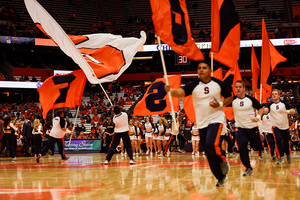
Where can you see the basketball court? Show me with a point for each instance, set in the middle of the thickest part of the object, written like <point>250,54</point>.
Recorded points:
<point>179,176</point>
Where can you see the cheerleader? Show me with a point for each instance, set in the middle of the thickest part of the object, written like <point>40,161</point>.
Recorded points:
<point>167,137</point>
<point>132,134</point>
<point>37,136</point>
<point>138,136</point>
<point>155,137</point>
<point>161,132</point>
<point>8,137</point>
<point>149,135</point>
<point>195,139</point>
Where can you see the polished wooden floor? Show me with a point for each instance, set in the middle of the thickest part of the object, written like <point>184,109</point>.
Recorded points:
<point>180,176</point>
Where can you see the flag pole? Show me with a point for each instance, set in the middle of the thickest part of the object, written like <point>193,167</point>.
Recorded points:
<point>101,85</point>
<point>74,124</point>
<point>167,82</point>
<point>260,99</point>
<point>212,63</point>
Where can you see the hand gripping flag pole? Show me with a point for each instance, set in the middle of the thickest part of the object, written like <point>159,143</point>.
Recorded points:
<point>167,82</point>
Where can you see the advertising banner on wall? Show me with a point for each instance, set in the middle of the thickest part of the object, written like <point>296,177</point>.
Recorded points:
<point>82,145</point>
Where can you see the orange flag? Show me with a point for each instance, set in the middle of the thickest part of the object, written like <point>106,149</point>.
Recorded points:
<point>189,109</point>
<point>225,32</point>
<point>62,91</point>
<point>171,23</point>
<point>255,74</point>
<point>276,57</point>
<point>232,76</point>
<point>156,100</point>
<point>269,59</point>
<point>218,73</point>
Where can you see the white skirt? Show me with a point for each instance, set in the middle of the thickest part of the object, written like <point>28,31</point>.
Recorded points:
<point>161,137</point>
<point>132,137</point>
<point>195,137</point>
<point>166,137</point>
<point>148,134</point>
<point>139,138</point>
<point>155,137</point>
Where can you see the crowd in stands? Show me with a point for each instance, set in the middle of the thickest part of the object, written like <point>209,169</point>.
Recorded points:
<point>104,27</point>
<point>97,114</point>
<point>16,26</point>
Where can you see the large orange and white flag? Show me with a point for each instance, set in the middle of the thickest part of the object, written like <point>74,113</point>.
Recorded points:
<point>102,57</point>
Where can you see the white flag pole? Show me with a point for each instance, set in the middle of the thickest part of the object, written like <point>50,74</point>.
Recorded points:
<point>100,85</point>
<point>167,82</point>
<point>212,63</point>
<point>74,124</point>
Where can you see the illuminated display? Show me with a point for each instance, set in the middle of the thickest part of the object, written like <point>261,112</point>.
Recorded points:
<point>181,60</point>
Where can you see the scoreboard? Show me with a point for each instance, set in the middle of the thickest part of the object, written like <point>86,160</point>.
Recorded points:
<point>181,60</point>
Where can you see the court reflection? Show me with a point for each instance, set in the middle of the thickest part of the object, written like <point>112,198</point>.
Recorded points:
<point>180,176</point>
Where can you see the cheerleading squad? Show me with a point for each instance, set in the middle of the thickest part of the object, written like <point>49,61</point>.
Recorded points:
<point>153,138</point>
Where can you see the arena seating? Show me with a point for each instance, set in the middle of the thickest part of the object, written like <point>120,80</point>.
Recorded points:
<point>86,12</point>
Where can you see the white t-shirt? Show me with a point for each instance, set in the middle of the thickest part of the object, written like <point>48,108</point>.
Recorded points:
<point>279,120</point>
<point>195,129</point>
<point>148,126</point>
<point>132,130</point>
<point>244,111</point>
<point>202,93</point>
<point>161,129</point>
<point>57,124</point>
<point>266,124</point>
<point>121,122</point>
<point>169,130</point>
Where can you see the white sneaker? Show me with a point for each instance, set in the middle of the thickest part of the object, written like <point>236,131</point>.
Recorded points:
<point>168,153</point>
<point>193,153</point>
<point>105,162</point>
<point>147,152</point>
<point>133,154</point>
<point>132,162</point>
<point>14,159</point>
<point>122,154</point>
<point>151,154</point>
<point>161,154</point>
<point>197,154</point>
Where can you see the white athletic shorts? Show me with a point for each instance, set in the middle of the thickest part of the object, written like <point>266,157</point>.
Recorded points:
<point>195,137</point>
<point>132,137</point>
<point>148,134</point>
<point>139,138</point>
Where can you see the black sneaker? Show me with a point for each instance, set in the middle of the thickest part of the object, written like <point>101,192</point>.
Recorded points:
<point>222,182</point>
<point>274,158</point>
<point>280,161</point>
<point>260,157</point>
<point>288,158</point>
<point>65,158</point>
<point>248,172</point>
<point>225,167</point>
